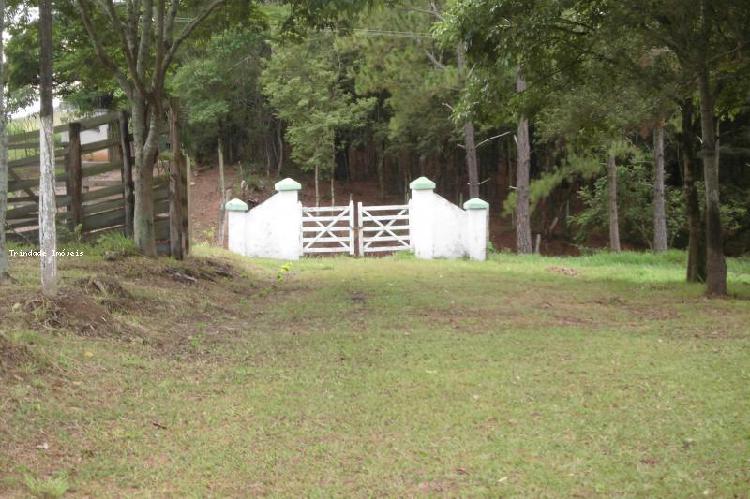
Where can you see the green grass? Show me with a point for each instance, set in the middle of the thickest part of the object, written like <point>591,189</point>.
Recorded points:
<point>521,376</point>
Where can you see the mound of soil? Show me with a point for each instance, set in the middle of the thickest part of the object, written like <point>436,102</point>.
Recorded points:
<point>72,311</point>
<point>108,291</point>
<point>192,270</point>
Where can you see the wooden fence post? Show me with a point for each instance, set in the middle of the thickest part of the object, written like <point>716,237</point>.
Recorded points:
<point>74,183</point>
<point>176,187</point>
<point>127,173</point>
<point>185,202</point>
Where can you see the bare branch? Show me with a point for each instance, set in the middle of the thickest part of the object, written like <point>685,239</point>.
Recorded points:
<point>84,8</point>
<point>145,42</point>
<point>491,138</point>
<point>434,60</point>
<point>159,37</point>
<point>432,11</point>
<point>169,29</point>
<point>133,7</point>
<point>127,45</point>
<point>184,34</point>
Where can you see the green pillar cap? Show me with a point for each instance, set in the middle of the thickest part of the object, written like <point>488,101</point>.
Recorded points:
<point>235,205</point>
<point>476,204</point>
<point>288,185</point>
<point>422,184</point>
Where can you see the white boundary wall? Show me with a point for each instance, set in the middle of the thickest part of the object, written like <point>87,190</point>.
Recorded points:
<point>438,228</point>
<point>273,229</point>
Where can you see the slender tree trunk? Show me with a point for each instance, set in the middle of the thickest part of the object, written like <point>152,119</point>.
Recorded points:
<point>716,266</point>
<point>317,185</point>
<point>47,206</point>
<point>472,166</point>
<point>4,267</point>
<point>381,170</point>
<point>523,213</point>
<point>614,221</point>
<point>696,265</point>
<point>471,159</point>
<point>268,148</point>
<point>222,194</point>
<point>280,141</point>
<point>333,171</point>
<point>660,212</point>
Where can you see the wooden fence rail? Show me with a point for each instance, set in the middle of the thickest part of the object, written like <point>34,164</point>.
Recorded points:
<point>92,198</point>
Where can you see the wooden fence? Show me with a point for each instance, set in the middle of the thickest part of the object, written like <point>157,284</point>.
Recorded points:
<point>93,194</point>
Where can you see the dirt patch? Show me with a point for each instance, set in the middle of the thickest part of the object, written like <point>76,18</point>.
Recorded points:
<point>71,311</point>
<point>12,356</point>
<point>108,291</point>
<point>196,269</point>
<point>562,270</point>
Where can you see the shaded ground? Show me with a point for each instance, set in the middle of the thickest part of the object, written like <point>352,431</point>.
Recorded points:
<point>223,376</point>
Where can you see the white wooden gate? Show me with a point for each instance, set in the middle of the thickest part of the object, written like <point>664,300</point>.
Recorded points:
<point>328,229</point>
<point>383,228</point>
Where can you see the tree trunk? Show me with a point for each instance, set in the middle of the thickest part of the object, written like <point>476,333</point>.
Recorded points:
<point>716,266</point>
<point>222,193</point>
<point>4,267</point>
<point>268,148</point>
<point>280,140</point>
<point>472,166</point>
<point>614,221</point>
<point>333,171</point>
<point>47,206</point>
<point>317,185</point>
<point>145,143</point>
<point>471,159</point>
<point>660,212</point>
<point>696,265</point>
<point>381,170</point>
<point>523,214</point>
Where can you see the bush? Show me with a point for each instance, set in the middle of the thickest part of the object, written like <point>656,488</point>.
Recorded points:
<point>115,243</point>
<point>635,205</point>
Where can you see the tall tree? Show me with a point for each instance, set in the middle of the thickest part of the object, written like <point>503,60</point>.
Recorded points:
<point>3,152</point>
<point>304,82</point>
<point>147,43</point>
<point>696,266</point>
<point>472,166</point>
<point>660,211</point>
<point>47,206</point>
<point>612,209</point>
<point>523,212</point>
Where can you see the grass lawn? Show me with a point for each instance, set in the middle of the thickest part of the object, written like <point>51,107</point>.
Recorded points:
<point>554,377</point>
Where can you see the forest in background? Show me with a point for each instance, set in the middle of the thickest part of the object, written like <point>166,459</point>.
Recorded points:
<point>591,121</point>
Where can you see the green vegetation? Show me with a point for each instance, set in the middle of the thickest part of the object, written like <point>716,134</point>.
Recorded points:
<point>527,376</point>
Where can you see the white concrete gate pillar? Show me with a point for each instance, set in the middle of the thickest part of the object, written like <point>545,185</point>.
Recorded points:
<point>421,217</point>
<point>236,210</point>
<point>273,229</point>
<point>477,228</point>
